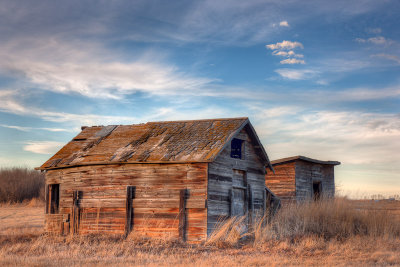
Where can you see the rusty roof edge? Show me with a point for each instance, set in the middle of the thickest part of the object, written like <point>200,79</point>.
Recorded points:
<point>264,153</point>
<point>217,119</point>
<point>120,163</point>
<point>294,158</point>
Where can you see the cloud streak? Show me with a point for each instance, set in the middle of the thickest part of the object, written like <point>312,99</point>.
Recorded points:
<point>92,71</point>
<point>294,74</point>
<point>43,147</point>
<point>378,40</point>
<point>29,129</point>
<point>285,45</point>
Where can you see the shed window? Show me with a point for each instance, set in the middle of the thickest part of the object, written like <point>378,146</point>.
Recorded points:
<point>237,148</point>
<point>53,198</point>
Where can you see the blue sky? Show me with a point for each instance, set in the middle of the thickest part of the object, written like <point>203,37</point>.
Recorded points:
<point>316,78</point>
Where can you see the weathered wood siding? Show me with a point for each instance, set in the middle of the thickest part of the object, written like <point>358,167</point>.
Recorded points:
<point>307,173</point>
<point>103,199</point>
<point>224,172</point>
<point>283,182</point>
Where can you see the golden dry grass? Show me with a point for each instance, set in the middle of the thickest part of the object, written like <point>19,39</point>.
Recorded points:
<point>227,247</point>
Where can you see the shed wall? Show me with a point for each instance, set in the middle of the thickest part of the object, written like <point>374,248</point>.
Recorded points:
<point>283,182</point>
<point>156,203</point>
<point>221,173</point>
<point>307,173</point>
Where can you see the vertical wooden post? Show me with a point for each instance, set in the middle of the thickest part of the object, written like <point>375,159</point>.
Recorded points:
<point>76,212</point>
<point>231,202</point>
<point>264,203</point>
<point>183,195</point>
<point>46,197</point>
<point>250,204</point>
<point>130,195</point>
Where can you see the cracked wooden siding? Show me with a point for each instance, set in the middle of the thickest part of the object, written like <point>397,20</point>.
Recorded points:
<point>221,173</point>
<point>156,202</point>
<point>307,173</point>
<point>294,177</point>
<point>283,182</point>
<point>157,160</point>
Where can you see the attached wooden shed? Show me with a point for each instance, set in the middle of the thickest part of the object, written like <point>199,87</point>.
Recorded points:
<point>165,179</point>
<point>300,178</point>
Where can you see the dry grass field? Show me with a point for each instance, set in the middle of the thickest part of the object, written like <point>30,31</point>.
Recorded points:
<point>315,235</point>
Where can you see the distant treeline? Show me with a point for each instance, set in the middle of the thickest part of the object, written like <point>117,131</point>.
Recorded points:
<point>18,184</point>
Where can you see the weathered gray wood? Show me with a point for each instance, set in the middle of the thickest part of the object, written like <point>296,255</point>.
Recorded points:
<point>156,203</point>
<point>307,173</point>
<point>76,212</point>
<point>130,195</point>
<point>250,204</point>
<point>264,202</point>
<point>46,196</point>
<point>227,176</point>
<point>183,195</point>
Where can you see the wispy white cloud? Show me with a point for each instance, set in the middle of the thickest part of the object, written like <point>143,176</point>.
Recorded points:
<point>287,54</point>
<point>43,147</point>
<point>374,30</point>
<point>11,102</point>
<point>294,74</point>
<point>344,136</point>
<point>292,61</point>
<point>285,45</point>
<point>28,129</point>
<point>284,23</point>
<point>388,56</point>
<point>378,40</point>
<point>92,71</point>
<point>292,57</point>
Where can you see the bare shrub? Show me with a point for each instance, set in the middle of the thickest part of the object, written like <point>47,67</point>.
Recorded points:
<point>18,184</point>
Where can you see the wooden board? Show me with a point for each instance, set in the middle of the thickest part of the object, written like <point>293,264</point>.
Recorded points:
<point>103,201</point>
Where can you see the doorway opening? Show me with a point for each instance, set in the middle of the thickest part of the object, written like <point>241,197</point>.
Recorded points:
<point>317,190</point>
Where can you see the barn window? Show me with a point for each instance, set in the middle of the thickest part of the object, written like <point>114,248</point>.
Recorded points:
<point>237,148</point>
<point>53,198</point>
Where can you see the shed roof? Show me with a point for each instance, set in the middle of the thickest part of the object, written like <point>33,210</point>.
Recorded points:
<point>152,142</point>
<point>291,159</point>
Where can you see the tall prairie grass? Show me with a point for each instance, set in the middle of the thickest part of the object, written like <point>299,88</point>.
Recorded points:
<point>329,219</point>
<point>341,235</point>
<point>18,184</point>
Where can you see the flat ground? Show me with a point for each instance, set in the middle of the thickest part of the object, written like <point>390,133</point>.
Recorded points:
<point>23,243</point>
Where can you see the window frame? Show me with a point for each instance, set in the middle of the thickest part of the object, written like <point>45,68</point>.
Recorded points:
<point>235,146</point>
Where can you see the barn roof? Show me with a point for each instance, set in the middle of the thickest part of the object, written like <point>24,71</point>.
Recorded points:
<point>152,142</point>
<point>291,159</point>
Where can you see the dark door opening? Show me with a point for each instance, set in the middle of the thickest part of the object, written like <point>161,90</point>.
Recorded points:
<point>317,190</point>
<point>53,198</point>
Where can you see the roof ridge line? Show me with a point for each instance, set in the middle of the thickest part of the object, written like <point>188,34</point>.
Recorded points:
<point>217,119</point>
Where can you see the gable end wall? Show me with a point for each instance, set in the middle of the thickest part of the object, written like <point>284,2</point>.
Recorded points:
<point>220,175</point>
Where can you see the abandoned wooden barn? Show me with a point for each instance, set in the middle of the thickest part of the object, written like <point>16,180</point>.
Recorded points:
<point>300,178</point>
<point>176,178</point>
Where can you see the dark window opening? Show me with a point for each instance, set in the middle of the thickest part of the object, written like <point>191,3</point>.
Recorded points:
<point>53,198</point>
<point>316,190</point>
<point>237,148</point>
